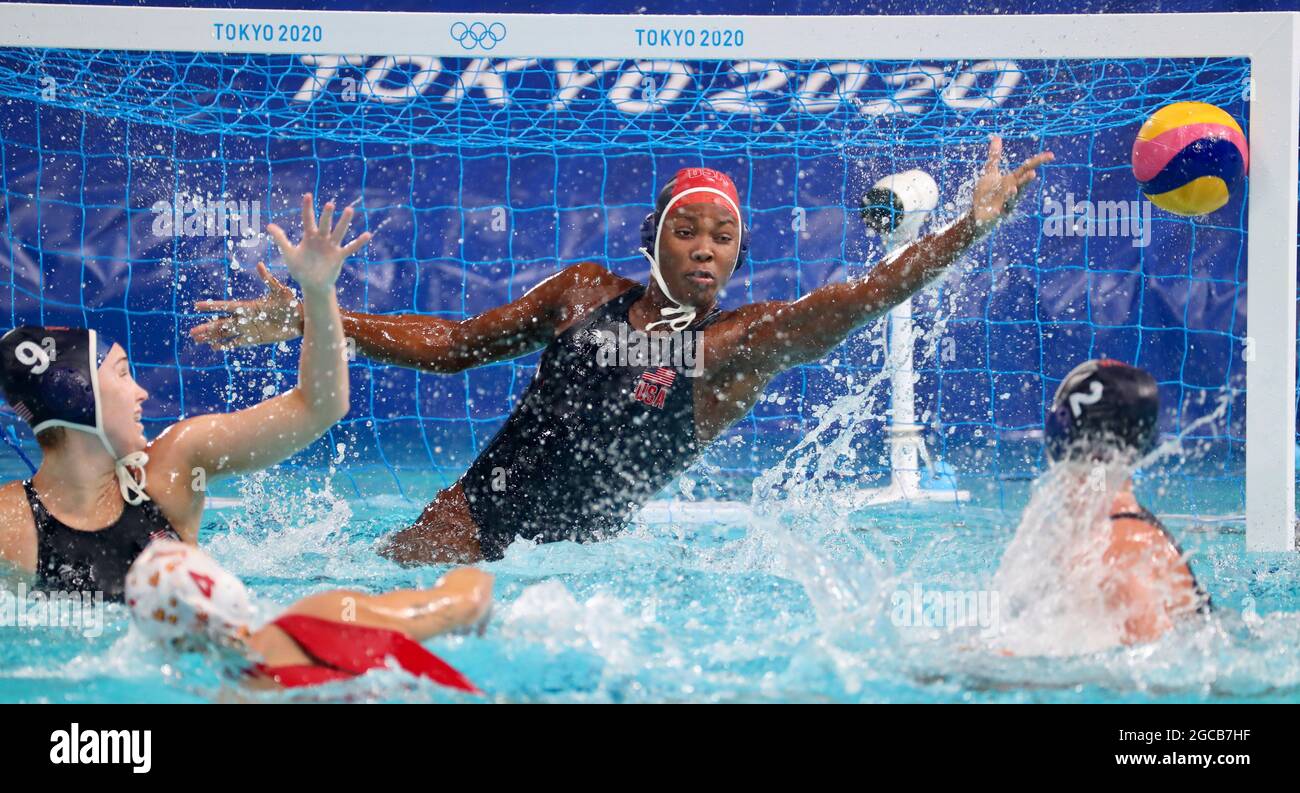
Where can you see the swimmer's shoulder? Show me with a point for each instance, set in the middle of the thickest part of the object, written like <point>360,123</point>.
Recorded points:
<point>17,530</point>
<point>729,336</point>
<point>1132,524</point>
<point>589,272</point>
<point>737,324</point>
<point>590,278</point>
<point>581,288</point>
<point>1133,531</point>
<point>1143,550</point>
<point>1137,536</point>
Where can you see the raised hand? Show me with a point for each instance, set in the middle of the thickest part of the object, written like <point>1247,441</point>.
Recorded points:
<point>274,317</point>
<point>996,193</point>
<point>315,262</point>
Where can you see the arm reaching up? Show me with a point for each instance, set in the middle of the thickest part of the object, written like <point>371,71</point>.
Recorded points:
<point>779,335</point>
<point>265,434</point>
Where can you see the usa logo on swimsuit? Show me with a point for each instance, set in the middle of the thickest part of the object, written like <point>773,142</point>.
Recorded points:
<point>652,386</point>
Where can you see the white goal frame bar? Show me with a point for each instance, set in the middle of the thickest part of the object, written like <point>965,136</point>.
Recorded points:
<point>1270,40</point>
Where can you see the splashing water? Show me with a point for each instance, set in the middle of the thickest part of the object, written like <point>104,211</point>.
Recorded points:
<point>801,601</point>
<point>1052,577</point>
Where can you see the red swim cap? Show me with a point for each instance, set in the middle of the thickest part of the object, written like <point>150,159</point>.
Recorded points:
<point>688,186</point>
<point>691,178</point>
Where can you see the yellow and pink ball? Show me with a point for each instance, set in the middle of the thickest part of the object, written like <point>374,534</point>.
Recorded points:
<point>1189,157</point>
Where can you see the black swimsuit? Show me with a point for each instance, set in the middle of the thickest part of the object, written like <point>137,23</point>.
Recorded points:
<point>1203,605</point>
<point>71,560</point>
<point>587,444</point>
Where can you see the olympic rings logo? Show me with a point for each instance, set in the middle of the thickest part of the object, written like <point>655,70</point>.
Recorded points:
<point>478,34</point>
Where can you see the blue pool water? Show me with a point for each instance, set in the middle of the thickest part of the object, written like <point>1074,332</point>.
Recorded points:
<point>777,605</point>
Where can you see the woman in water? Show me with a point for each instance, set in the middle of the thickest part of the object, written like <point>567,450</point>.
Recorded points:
<point>178,595</point>
<point>1087,550</point>
<point>103,492</point>
<point>601,429</point>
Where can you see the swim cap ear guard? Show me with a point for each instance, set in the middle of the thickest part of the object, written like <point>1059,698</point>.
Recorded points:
<point>177,592</point>
<point>50,377</point>
<point>688,186</point>
<point>1103,408</point>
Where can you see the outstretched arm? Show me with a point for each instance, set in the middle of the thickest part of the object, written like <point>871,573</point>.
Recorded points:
<point>460,600</point>
<point>444,346</point>
<point>777,336</point>
<point>417,341</point>
<point>265,434</point>
<point>404,340</point>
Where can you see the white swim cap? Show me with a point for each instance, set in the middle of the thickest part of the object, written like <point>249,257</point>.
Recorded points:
<point>175,591</point>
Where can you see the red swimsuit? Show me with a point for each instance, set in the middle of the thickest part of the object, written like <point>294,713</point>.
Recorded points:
<point>343,651</point>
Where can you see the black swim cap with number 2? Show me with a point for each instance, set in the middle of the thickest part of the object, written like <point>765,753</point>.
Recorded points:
<point>1103,407</point>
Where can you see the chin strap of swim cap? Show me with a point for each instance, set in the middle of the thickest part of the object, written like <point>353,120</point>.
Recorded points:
<point>679,316</point>
<point>132,488</point>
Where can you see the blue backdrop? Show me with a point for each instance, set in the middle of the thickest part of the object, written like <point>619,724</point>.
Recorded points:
<point>474,203</point>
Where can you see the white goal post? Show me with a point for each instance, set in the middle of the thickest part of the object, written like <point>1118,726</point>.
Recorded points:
<point>1271,41</point>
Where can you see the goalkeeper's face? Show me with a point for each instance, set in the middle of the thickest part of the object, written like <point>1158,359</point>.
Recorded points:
<point>698,247</point>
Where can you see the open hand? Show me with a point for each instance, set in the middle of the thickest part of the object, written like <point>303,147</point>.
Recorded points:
<point>996,193</point>
<point>315,262</point>
<point>274,317</point>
